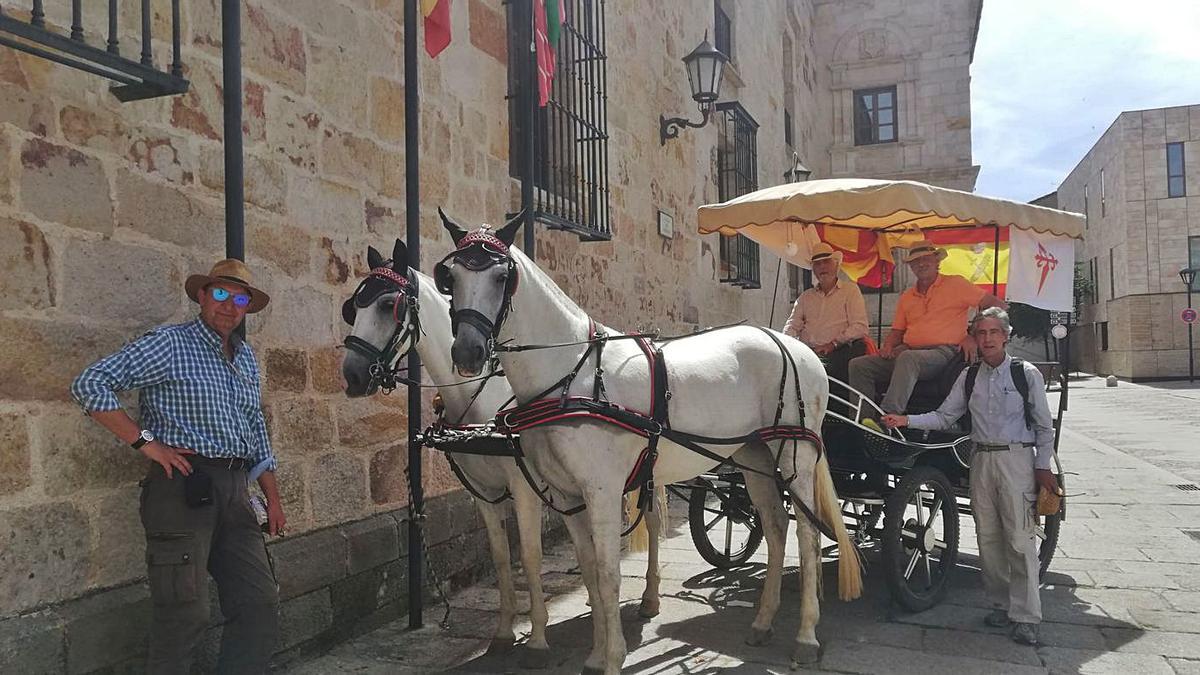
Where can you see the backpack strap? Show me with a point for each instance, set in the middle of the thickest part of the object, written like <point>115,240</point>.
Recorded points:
<point>969,382</point>
<point>1017,371</point>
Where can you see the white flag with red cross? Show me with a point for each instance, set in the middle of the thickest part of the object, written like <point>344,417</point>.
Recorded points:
<point>1041,270</point>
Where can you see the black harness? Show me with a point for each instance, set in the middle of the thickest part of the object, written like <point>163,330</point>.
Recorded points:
<point>406,314</point>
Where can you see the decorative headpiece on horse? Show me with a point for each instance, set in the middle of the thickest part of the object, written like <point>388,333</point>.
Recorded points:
<point>478,250</point>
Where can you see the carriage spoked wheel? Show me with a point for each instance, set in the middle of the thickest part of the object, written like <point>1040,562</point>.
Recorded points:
<point>724,524</point>
<point>920,538</point>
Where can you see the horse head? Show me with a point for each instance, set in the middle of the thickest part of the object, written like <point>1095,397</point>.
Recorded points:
<point>480,276</point>
<point>384,315</point>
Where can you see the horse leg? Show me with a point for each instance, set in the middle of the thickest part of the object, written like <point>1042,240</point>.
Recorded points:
<point>579,529</point>
<point>801,489</point>
<point>654,520</point>
<point>529,522</point>
<point>493,520</point>
<point>764,493</point>
<point>604,506</point>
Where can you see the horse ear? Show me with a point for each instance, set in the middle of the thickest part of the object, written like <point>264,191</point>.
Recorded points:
<point>374,258</point>
<point>399,256</point>
<point>508,233</point>
<point>457,232</point>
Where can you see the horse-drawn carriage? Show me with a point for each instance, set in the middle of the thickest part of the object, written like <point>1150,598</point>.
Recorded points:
<point>902,491</point>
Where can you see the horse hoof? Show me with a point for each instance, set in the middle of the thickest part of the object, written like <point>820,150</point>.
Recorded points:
<point>806,654</point>
<point>500,646</point>
<point>648,610</point>
<point>534,659</point>
<point>758,637</point>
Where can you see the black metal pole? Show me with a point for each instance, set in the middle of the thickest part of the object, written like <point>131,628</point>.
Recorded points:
<point>879,318</point>
<point>775,294</point>
<point>412,220</point>
<point>231,80</point>
<point>529,106</point>
<point>1191,360</point>
<point>996,265</point>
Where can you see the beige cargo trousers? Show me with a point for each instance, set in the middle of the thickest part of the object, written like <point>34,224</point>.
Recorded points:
<point>1003,498</point>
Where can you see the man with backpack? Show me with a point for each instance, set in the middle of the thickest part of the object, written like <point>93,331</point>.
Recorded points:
<point>1014,448</point>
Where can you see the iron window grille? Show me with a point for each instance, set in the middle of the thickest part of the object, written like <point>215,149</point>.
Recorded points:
<point>737,174</point>
<point>875,116</point>
<point>136,80</point>
<point>570,133</point>
<point>1176,185</point>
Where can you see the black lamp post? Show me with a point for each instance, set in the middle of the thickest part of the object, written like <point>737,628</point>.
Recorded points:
<point>1188,276</point>
<point>705,66</point>
<point>798,173</point>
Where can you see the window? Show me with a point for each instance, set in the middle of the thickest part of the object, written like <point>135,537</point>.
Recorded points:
<point>570,133</point>
<point>789,92</point>
<point>722,30</point>
<point>1103,209</point>
<point>1085,206</point>
<point>875,116</point>
<point>1102,329</point>
<point>1112,276</point>
<point>1175,171</point>
<point>1092,276</point>
<point>1194,258</point>
<point>788,139</point>
<point>737,174</point>
<point>794,288</point>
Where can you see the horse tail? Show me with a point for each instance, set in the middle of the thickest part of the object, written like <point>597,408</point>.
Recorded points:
<point>830,511</point>
<point>639,538</point>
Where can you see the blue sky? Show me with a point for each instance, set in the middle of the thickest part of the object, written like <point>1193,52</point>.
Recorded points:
<point>1050,76</point>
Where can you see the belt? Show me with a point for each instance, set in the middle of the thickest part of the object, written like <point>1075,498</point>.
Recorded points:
<point>993,447</point>
<point>231,463</point>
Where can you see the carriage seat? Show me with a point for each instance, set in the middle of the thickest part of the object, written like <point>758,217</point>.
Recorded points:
<point>929,393</point>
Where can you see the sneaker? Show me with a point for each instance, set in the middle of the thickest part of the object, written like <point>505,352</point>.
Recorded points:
<point>1025,633</point>
<point>872,424</point>
<point>997,619</point>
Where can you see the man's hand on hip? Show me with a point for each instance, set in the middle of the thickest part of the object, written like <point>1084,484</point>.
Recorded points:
<point>168,458</point>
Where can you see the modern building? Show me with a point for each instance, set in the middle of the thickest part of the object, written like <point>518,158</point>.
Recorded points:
<point>105,207</point>
<point>1139,188</point>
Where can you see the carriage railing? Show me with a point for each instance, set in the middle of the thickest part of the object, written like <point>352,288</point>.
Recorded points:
<point>136,80</point>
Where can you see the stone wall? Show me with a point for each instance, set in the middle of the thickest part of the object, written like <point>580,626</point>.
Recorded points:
<point>105,208</point>
<point>1139,240</point>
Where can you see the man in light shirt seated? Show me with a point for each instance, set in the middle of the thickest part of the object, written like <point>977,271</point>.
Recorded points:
<point>832,317</point>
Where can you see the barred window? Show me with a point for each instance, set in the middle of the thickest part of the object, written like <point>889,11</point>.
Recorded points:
<point>570,133</point>
<point>737,174</point>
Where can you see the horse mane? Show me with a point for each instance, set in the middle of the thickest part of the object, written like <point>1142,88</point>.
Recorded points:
<point>531,269</point>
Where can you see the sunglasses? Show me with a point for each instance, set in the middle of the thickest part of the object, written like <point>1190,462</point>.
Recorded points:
<point>221,295</point>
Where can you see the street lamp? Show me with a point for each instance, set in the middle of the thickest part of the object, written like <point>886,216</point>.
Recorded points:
<point>798,173</point>
<point>1188,276</point>
<point>705,65</point>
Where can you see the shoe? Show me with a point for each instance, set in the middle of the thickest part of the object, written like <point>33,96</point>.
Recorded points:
<point>1025,634</point>
<point>870,423</point>
<point>998,618</point>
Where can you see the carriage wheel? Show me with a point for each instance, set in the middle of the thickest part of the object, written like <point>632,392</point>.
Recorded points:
<point>920,538</point>
<point>1047,532</point>
<point>724,524</point>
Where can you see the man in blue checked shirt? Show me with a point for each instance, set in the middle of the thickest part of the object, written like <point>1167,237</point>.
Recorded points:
<point>1014,449</point>
<point>202,424</point>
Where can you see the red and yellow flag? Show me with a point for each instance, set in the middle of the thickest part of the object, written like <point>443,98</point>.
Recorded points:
<point>866,255</point>
<point>437,25</point>
<point>972,254</point>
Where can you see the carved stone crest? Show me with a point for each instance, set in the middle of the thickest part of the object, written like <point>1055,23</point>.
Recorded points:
<point>872,43</point>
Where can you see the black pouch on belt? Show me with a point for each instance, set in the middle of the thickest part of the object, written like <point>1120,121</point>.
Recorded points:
<point>197,488</point>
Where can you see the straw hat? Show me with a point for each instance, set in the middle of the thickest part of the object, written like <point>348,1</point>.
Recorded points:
<point>232,270</point>
<point>923,248</point>
<point>822,251</point>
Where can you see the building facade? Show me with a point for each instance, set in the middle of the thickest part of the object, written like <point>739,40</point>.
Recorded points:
<point>106,207</point>
<point>1139,188</point>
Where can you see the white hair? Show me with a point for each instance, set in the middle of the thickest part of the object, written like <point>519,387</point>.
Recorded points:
<point>993,313</point>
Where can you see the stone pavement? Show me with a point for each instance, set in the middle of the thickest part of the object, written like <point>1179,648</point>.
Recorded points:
<point>1122,595</point>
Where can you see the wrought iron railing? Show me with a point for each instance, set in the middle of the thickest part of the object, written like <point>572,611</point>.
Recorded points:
<point>136,79</point>
<point>737,174</point>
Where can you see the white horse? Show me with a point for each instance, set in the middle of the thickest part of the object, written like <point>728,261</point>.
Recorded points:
<point>722,384</point>
<point>389,316</point>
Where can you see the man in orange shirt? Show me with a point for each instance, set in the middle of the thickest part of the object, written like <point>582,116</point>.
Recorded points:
<point>929,328</point>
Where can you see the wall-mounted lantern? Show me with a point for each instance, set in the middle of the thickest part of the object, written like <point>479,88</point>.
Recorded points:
<point>798,173</point>
<point>705,65</point>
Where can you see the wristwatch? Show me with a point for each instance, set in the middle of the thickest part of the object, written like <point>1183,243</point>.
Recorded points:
<point>143,438</point>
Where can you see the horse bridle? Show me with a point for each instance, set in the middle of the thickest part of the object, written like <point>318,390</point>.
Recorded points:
<point>477,251</point>
<point>407,325</point>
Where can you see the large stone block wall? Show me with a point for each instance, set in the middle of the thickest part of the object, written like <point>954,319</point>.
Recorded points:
<point>105,208</point>
<point>1139,294</point>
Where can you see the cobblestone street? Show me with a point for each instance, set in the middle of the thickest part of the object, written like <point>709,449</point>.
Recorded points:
<point>1122,595</point>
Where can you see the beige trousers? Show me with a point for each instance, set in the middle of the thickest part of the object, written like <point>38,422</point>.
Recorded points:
<point>1003,498</point>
